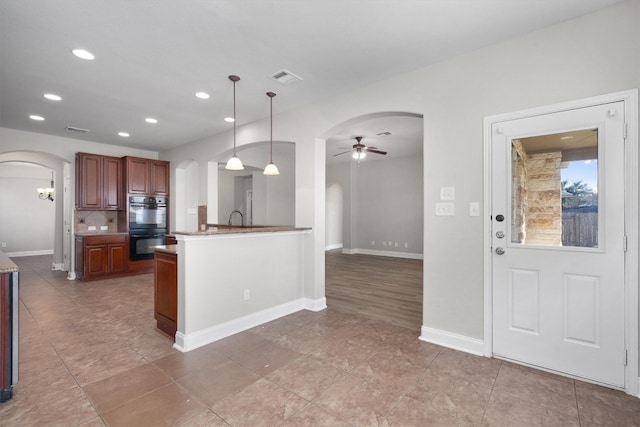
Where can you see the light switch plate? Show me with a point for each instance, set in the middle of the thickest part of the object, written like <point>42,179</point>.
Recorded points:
<point>104,227</point>
<point>447,193</point>
<point>444,209</point>
<point>92,228</point>
<point>474,209</point>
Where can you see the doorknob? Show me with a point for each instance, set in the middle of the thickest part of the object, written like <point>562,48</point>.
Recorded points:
<point>499,251</point>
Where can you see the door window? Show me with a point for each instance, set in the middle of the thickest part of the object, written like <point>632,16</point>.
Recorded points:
<point>554,187</point>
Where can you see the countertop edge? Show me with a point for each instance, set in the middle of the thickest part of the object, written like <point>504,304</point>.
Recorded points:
<point>238,230</point>
<point>6,265</point>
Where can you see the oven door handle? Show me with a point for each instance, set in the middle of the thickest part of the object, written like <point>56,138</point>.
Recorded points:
<point>147,235</point>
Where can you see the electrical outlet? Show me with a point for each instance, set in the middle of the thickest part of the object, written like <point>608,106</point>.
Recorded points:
<point>395,244</point>
<point>4,244</point>
<point>384,243</point>
<point>406,245</point>
<point>247,294</point>
<point>104,227</point>
<point>92,228</point>
<point>373,243</point>
<point>389,242</point>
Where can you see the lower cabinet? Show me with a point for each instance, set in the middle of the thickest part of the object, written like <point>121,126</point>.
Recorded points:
<point>166,292</point>
<point>99,257</point>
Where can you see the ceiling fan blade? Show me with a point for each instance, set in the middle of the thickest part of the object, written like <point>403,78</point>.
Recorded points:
<point>344,152</point>
<point>376,151</point>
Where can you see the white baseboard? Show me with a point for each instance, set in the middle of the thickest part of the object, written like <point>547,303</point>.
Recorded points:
<point>451,340</point>
<point>315,304</point>
<point>393,254</point>
<point>206,336</point>
<point>331,247</point>
<point>29,253</point>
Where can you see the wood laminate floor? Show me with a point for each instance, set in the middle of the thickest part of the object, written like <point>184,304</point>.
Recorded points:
<point>377,287</point>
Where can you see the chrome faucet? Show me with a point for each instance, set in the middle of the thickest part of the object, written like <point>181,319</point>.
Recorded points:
<point>241,217</point>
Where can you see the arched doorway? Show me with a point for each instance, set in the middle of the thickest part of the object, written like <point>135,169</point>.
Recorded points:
<point>63,209</point>
<point>382,217</point>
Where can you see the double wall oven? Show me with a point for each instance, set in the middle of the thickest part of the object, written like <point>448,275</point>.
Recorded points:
<point>147,225</point>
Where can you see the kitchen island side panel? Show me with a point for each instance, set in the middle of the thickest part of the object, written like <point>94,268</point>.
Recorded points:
<point>226,279</point>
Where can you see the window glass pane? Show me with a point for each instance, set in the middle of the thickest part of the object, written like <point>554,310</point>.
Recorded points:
<point>554,200</point>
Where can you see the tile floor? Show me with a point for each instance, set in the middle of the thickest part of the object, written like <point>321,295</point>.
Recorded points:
<point>90,356</point>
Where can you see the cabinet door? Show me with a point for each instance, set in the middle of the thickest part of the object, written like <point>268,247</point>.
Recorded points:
<point>89,181</point>
<point>96,260</point>
<point>166,292</point>
<point>112,179</point>
<point>138,175</point>
<point>117,258</point>
<point>159,171</point>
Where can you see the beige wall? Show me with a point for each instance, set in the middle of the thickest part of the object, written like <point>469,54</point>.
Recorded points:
<point>588,56</point>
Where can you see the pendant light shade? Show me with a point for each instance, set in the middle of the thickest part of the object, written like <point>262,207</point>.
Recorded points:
<point>234,163</point>
<point>271,168</point>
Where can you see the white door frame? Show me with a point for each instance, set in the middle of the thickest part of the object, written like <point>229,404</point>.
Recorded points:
<point>630,99</point>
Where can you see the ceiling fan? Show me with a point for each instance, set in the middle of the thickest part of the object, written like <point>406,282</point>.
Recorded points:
<point>360,151</point>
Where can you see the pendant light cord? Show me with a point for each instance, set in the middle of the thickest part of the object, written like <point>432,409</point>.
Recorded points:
<point>234,117</point>
<point>271,135</point>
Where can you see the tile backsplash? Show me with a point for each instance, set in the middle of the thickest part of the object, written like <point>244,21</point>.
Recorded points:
<point>85,219</point>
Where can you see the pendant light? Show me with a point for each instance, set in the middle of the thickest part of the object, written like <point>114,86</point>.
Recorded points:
<point>234,162</point>
<point>271,168</point>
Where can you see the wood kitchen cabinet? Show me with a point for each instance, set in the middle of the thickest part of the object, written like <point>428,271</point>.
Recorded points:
<point>98,257</point>
<point>147,176</point>
<point>166,292</point>
<point>99,182</point>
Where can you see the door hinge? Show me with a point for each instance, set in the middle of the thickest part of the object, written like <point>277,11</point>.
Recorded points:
<point>626,357</point>
<point>625,130</point>
<point>624,244</point>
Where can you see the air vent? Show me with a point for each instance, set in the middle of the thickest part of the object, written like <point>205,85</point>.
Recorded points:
<point>285,77</point>
<point>75,129</point>
<point>383,133</point>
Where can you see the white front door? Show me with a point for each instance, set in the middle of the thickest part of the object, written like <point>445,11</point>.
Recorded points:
<point>558,247</point>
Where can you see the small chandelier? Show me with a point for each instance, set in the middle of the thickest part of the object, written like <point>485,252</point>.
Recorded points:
<point>271,168</point>
<point>234,163</point>
<point>46,193</point>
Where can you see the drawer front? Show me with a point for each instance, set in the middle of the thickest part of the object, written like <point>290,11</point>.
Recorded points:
<point>105,240</point>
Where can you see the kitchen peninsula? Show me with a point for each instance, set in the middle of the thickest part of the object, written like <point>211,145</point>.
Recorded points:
<point>230,279</point>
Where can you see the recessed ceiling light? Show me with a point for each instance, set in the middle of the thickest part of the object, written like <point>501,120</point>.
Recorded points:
<point>37,118</point>
<point>150,120</point>
<point>566,137</point>
<point>84,54</point>
<point>52,97</point>
<point>124,134</point>
<point>202,95</point>
<point>229,119</point>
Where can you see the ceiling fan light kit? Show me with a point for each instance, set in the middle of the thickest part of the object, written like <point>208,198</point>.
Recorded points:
<point>359,150</point>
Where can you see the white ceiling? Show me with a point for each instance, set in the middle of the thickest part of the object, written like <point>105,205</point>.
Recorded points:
<point>153,55</point>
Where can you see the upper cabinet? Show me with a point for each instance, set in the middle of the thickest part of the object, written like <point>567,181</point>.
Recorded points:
<point>99,182</point>
<point>147,176</point>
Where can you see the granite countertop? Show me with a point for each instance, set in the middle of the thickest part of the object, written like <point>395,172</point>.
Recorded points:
<point>100,233</point>
<point>167,249</point>
<point>6,265</point>
<point>240,230</point>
